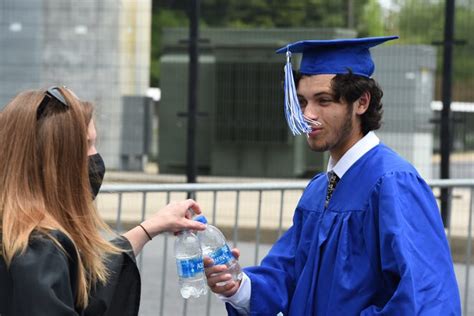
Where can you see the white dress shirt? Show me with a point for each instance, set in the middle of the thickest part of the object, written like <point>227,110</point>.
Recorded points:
<point>241,299</point>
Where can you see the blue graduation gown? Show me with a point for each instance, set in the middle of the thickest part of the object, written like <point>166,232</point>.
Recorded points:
<point>378,249</point>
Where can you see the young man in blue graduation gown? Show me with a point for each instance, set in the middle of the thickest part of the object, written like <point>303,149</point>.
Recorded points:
<point>367,237</point>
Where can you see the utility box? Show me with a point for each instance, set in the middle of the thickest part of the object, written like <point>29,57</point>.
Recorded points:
<point>241,129</point>
<point>406,74</point>
<point>172,112</point>
<point>135,135</point>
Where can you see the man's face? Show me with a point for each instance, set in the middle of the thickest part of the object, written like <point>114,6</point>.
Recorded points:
<point>339,129</point>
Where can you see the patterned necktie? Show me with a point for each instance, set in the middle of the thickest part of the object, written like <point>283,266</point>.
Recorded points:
<point>333,179</point>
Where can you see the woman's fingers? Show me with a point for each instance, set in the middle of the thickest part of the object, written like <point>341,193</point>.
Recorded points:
<point>191,204</point>
<point>194,225</point>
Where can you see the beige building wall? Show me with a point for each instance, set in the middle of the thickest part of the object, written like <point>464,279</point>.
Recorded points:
<point>135,46</point>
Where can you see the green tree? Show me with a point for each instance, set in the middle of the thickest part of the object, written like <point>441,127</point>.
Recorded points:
<point>421,21</point>
<point>162,18</point>
<point>371,22</point>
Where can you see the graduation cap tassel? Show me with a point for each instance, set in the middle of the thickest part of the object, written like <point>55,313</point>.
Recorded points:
<point>293,114</point>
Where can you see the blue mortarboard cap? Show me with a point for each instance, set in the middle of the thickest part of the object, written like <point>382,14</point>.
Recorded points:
<point>336,56</point>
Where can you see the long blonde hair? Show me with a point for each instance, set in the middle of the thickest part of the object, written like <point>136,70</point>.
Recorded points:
<point>44,182</point>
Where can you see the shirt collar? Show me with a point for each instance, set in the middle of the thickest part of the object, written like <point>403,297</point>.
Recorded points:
<point>359,149</point>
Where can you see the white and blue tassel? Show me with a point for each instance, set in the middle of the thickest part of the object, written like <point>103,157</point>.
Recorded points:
<point>293,114</point>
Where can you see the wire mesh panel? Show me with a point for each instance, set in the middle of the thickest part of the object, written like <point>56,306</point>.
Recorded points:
<point>251,216</point>
<point>250,103</point>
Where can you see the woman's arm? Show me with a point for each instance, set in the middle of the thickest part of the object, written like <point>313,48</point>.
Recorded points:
<point>173,217</point>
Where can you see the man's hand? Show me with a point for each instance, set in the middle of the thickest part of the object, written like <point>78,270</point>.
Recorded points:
<point>219,275</point>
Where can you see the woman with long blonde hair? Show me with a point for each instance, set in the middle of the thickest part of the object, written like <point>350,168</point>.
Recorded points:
<point>53,258</point>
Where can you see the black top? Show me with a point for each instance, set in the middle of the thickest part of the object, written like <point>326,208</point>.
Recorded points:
<point>43,281</point>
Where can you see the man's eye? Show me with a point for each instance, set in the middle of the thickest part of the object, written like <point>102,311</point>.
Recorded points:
<point>325,101</point>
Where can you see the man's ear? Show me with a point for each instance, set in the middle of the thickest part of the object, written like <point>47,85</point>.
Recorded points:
<point>362,104</point>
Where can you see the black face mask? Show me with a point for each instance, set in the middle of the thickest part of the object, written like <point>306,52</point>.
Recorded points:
<point>96,173</point>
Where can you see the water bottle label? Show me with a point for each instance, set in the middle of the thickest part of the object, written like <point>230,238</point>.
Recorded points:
<point>190,267</point>
<point>221,255</point>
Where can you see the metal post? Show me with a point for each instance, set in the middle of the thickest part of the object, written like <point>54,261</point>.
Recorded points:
<point>140,258</point>
<point>192,91</point>
<point>163,273</point>
<point>350,14</point>
<point>445,134</point>
<point>257,237</point>
<point>280,224</point>
<point>468,254</point>
<point>236,220</point>
<point>118,226</point>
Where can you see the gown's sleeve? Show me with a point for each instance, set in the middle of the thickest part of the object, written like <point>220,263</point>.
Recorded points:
<point>415,259</point>
<point>121,294</point>
<point>41,281</point>
<point>273,281</point>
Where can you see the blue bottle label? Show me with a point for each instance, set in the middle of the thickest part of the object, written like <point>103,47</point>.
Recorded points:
<point>188,268</point>
<point>221,255</point>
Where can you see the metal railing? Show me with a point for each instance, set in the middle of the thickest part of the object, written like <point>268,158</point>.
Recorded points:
<point>461,193</point>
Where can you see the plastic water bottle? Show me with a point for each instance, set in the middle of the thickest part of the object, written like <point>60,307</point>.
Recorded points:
<point>189,264</point>
<point>213,245</point>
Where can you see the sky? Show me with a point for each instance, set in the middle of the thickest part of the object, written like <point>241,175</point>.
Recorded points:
<point>386,4</point>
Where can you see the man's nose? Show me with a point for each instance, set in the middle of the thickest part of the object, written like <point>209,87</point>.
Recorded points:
<point>310,112</point>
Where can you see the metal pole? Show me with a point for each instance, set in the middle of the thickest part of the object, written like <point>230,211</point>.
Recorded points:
<point>163,273</point>
<point>468,255</point>
<point>280,224</point>
<point>236,220</point>
<point>118,226</point>
<point>445,134</point>
<point>350,14</point>
<point>257,237</point>
<point>140,259</point>
<point>192,91</point>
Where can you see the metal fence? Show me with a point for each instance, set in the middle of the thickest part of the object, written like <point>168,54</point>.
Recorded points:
<point>252,216</point>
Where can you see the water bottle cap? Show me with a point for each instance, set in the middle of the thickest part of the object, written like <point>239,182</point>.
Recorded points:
<point>201,218</point>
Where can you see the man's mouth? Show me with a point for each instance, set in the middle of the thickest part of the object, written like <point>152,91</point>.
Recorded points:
<point>315,131</point>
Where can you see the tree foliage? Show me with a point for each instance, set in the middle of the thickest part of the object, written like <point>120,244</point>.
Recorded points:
<point>371,22</point>
<point>162,18</point>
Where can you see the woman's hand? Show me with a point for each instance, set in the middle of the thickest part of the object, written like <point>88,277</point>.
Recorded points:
<point>174,217</point>
<point>218,274</point>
